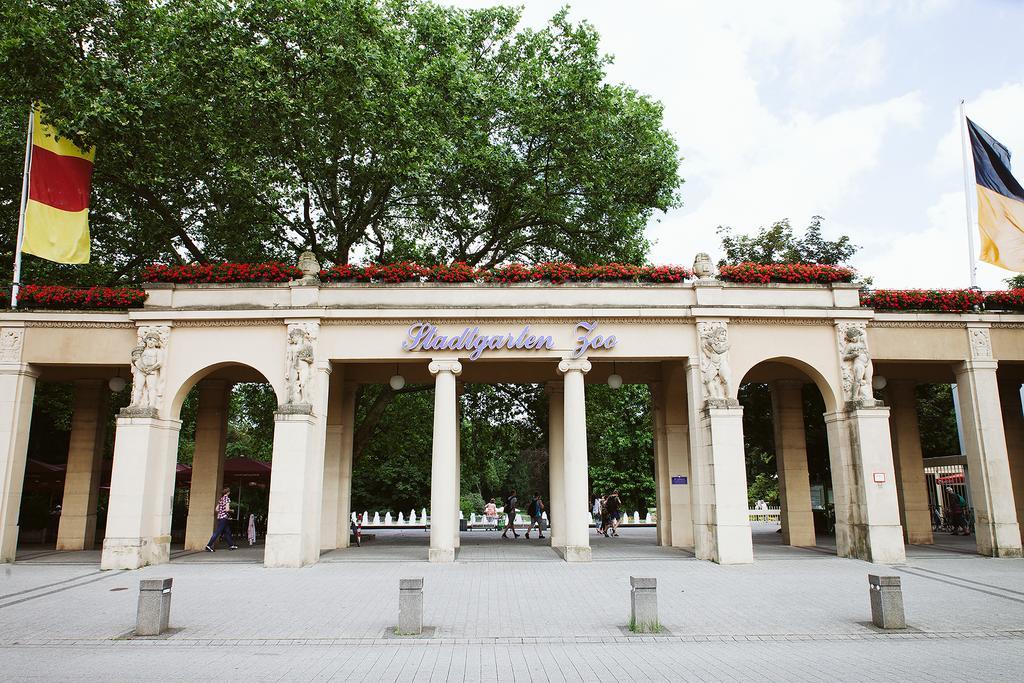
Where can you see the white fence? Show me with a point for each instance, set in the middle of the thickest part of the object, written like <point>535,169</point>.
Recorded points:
<point>765,515</point>
<point>387,520</point>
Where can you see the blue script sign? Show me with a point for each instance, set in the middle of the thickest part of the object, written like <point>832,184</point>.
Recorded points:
<point>425,337</point>
<point>678,480</point>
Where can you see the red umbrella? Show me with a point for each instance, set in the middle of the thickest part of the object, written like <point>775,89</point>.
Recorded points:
<point>957,478</point>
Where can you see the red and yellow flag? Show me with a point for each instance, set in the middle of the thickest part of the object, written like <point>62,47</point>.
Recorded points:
<point>57,210</point>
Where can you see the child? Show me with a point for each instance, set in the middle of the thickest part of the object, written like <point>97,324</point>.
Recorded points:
<point>357,530</point>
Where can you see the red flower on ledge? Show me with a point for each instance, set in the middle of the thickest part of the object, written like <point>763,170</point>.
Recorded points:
<point>947,300</point>
<point>210,273</point>
<point>69,298</point>
<point>818,273</point>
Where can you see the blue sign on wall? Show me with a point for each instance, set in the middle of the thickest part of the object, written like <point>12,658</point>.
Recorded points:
<point>678,480</point>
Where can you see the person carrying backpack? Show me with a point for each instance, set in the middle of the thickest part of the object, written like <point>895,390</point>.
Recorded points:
<point>510,511</point>
<point>536,510</point>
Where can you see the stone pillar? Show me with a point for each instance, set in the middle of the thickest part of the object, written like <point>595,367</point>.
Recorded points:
<point>791,463</point>
<point>457,538</point>
<point>207,461</point>
<point>676,456</point>
<point>77,530</point>
<point>995,514</point>
<point>662,476</point>
<point>296,480</point>
<point>1013,425</point>
<point>329,519</point>
<point>577,476</point>
<point>911,485</point>
<point>443,507</point>
<point>556,464</point>
<point>347,432</point>
<point>719,477</point>
<point>138,529</point>
<point>17,390</point>
<point>864,485</point>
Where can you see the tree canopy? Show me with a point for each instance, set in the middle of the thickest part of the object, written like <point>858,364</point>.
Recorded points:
<point>778,244</point>
<point>384,129</point>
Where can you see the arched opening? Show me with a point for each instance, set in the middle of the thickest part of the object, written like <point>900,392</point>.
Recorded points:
<point>225,443</point>
<point>790,486</point>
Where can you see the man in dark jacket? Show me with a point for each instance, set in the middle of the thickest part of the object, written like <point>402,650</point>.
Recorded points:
<point>510,510</point>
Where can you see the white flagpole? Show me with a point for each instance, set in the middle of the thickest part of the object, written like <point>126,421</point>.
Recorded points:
<point>969,181</point>
<point>16,284</point>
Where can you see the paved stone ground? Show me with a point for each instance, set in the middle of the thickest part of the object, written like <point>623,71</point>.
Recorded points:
<point>512,610</point>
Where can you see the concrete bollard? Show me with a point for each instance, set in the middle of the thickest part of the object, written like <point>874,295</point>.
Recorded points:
<point>643,605</point>
<point>154,607</point>
<point>410,606</point>
<point>886,602</point>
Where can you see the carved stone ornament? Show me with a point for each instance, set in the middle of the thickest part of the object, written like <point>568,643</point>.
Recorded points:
<point>716,375</point>
<point>299,358</point>
<point>703,268</point>
<point>148,359</point>
<point>10,344</point>
<point>310,268</point>
<point>855,360</point>
<point>981,343</point>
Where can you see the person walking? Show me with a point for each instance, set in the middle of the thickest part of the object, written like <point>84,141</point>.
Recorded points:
<point>536,511</point>
<point>223,522</point>
<point>614,512</point>
<point>956,512</point>
<point>510,512</point>
<point>595,510</point>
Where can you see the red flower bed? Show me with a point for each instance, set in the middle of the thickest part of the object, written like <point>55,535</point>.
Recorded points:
<point>612,272</point>
<point>785,272</point>
<point>346,272</point>
<point>513,272</point>
<point>204,273</point>
<point>459,271</point>
<point>67,298</point>
<point>401,271</point>
<point>664,274</point>
<point>949,300</point>
<point>1006,300</point>
<point>556,272</point>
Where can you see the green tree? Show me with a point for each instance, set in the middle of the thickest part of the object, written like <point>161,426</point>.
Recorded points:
<point>778,244</point>
<point>393,128</point>
<point>1015,282</point>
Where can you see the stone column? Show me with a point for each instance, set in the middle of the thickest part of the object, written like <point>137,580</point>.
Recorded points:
<point>329,519</point>
<point>995,514</point>
<point>347,432</point>
<point>138,529</point>
<point>296,480</point>
<point>676,456</point>
<point>864,485</point>
<point>791,463</point>
<point>1013,425</point>
<point>443,507</point>
<point>909,463</point>
<point>17,390</point>
<point>457,538</point>
<point>556,464</point>
<point>662,476</point>
<point>721,522</point>
<point>207,461</point>
<point>77,530</point>
<point>577,476</point>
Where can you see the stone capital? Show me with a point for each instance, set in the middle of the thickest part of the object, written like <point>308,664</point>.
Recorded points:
<point>577,365</point>
<point>971,366</point>
<point>439,365</point>
<point>18,369</point>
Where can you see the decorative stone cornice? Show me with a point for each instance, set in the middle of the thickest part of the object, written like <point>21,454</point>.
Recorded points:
<point>377,321</point>
<point>239,322</point>
<point>938,324</point>
<point>80,324</point>
<point>774,322</point>
<point>445,365</point>
<point>578,365</point>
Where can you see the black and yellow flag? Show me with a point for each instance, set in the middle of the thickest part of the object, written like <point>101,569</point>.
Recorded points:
<point>1000,202</point>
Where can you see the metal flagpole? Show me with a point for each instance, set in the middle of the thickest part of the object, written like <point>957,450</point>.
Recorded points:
<point>16,284</point>
<point>968,182</point>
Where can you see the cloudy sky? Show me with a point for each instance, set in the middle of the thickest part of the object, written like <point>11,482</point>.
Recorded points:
<point>846,110</point>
